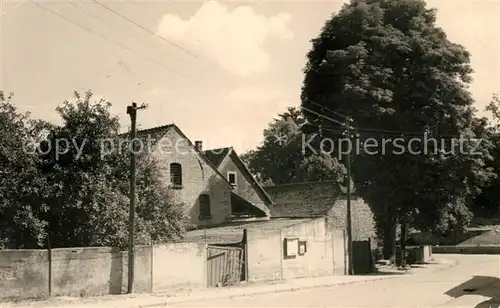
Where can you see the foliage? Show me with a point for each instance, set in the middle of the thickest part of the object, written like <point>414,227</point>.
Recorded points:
<point>84,167</point>
<point>20,185</point>
<point>159,217</point>
<point>494,108</point>
<point>386,64</point>
<point>487,204</point>
<point>281,158</point>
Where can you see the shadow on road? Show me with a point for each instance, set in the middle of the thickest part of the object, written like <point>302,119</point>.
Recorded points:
<point>486,286</point>
<point>491,303</point>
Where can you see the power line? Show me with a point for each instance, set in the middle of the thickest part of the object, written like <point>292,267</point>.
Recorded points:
<point>327,109</point>
<point>109,24</point>
<point>146,29</point>
<point>214,63</point>
<point>358,129</point>
<point>373,130</point>
<point>368,130</point>
<point>386,133</point>
<point>13,7</point>
<point>323,116</point>
<point>106,22</point>
<point>390,131</point>
<point>111,41</point>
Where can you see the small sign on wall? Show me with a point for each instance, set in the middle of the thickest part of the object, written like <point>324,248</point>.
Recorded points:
<point>302,248</point>
<point>291,247</point>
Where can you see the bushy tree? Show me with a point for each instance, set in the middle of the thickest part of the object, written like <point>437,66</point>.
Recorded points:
<point>282,157</point>
<point>21,186</point>
<point>77,183</point>
<point>160,218</point>
<point>387,65</point>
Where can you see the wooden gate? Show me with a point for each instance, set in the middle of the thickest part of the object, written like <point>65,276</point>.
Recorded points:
<point>225,266</point>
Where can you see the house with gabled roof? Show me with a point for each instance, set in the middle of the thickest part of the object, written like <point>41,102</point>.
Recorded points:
<point>206,193</point>
<point>322,199</point>
<point>248,198</point>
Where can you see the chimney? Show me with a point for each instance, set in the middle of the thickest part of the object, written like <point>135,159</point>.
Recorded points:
<point>198,145</point>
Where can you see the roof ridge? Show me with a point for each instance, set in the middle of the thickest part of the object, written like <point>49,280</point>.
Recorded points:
<point>300,183</point>
<point>200,153</point>
<point>221,148</point>
<point>181,133</point>
<point>149,129</point>
<point>156,127</point>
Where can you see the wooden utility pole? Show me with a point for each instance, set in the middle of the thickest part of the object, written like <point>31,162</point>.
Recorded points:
<point>308,128</point>
<point>348,205</point>
<point>132,111</point>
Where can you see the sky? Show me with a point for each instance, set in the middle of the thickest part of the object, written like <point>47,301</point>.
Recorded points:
<point>220,70</point>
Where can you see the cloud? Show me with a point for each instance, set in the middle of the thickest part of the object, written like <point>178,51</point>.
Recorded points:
<point>232,38</point>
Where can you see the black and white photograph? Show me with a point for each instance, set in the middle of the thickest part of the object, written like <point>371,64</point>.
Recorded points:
<point>258,153</point>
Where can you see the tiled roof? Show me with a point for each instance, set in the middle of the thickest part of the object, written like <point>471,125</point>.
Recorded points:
<point>151,135</point>
<point>239,206</point>
<point>322,199</point>
<point>216,156</point>
<point>487,238</point>
<point>233,232</point>
<point>312,199</point>
<point>244,169</point>
<point>219,235</point>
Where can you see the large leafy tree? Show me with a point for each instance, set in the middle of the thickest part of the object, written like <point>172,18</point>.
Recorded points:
<point>388,66</point>
<point>79,175</point>
<point>282,157</point>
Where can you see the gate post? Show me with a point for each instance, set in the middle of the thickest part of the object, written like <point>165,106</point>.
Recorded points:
<point>207,285</point>
<point>245,253</point>
<point>346,253</point>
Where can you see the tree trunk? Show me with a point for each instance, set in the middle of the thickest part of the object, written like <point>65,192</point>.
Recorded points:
<point>389,234</point>
<point>403,244</point>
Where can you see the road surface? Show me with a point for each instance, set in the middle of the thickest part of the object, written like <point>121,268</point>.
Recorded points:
<point>479,275</point>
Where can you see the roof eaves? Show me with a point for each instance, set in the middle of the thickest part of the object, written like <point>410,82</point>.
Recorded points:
<point>264,193</point>
<point>148,130</point>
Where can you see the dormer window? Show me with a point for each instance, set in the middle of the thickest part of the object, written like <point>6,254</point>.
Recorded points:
<point>231,178</point>
<point>176,175</point>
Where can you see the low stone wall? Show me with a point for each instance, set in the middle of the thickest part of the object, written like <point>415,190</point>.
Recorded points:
<point>324,252</point>
<point>427,238</point>
<point>92,271</point>
<point>471,250</point>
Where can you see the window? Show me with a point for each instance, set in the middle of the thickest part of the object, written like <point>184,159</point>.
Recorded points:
<point>231,178</point>
<point>204,201</point>
<point>176,175</point>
